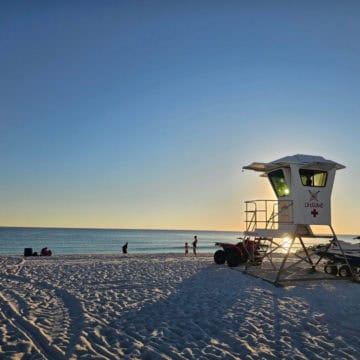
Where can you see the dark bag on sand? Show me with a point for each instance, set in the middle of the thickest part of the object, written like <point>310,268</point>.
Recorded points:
<point>28,252</point>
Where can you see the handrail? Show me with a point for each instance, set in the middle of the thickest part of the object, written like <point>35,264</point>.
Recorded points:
<point>267,214</point>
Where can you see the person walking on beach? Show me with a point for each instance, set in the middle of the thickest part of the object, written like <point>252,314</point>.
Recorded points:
<point>194,244</point>
<point>124,248</point>
<point>186,249</point>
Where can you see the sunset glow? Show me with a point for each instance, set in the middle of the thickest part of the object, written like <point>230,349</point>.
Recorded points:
<point>142,114</point>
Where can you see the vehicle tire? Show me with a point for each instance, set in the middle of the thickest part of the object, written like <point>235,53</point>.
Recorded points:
<point>257,262</point>
<point>344,271</point>
<point>331,269</point>
<point>243,258</point>
<point>233,259</point>
<point>220,257</point>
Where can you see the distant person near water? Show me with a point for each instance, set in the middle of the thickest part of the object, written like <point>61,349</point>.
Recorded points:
<point>124,248</point>
<point>194,244</point>
<point>186,249</point>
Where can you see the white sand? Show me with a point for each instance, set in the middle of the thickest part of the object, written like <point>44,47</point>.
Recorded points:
<point>168,307</point>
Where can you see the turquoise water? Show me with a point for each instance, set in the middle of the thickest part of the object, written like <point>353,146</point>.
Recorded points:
<point>109,241</point>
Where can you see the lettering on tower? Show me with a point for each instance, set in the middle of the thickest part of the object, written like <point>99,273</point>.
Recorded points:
<point>313,203</point>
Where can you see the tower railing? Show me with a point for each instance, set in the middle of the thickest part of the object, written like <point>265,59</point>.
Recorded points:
<point>267,214</point>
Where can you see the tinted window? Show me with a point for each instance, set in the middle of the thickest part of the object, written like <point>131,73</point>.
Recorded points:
<point>315,178</point>
<point>278,183</point>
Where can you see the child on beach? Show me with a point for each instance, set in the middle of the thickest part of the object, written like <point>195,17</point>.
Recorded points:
<point>186,249</point>
<point>194,244</point>
<point>124,248</point>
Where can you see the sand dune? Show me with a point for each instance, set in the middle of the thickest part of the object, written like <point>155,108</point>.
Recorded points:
<point>166,306</point>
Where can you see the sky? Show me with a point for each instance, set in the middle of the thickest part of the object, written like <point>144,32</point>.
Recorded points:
<point>141,114</point>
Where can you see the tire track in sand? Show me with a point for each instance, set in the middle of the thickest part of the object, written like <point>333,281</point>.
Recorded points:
<point>35,334</point>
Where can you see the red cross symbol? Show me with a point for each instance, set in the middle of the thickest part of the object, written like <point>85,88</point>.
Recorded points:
<point>314,213</point>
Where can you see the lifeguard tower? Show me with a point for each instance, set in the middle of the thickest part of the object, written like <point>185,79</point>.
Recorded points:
<point>284,228</point>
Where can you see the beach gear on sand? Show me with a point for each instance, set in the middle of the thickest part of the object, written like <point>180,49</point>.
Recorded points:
<point>45,252</point>
<point>28,252</point>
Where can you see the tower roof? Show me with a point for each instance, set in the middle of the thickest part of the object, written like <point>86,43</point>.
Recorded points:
<point>307,161</point>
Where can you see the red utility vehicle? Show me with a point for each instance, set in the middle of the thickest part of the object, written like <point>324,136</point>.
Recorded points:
<point>235,254</point>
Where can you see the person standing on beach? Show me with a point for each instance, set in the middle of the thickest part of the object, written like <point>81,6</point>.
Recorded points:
<point>194,244</point>
<point>124,248</point>
<point>186,249</point>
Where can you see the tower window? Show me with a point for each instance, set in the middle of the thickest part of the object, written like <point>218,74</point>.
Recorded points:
<point>278,182</point>
<point>314,178</point>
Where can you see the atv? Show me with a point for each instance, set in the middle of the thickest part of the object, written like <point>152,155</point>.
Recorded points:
<point>235,254</point>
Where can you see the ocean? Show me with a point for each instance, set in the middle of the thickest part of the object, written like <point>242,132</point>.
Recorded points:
<point>13,240</point>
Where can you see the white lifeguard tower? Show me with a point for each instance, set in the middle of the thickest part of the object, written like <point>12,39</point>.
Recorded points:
<point>282,227</point>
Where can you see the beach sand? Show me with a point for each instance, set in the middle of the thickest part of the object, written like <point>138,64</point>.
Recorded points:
<point>166,306</point>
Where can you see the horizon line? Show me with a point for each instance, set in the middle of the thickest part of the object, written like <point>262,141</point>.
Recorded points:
<point>131,229</point>
<point>104,228</point>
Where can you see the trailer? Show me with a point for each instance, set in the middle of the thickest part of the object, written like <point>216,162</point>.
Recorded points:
<point>342,263</point>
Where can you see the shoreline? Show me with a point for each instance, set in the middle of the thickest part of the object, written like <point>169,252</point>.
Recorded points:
<point>168,306</point>
<point>69,241</point>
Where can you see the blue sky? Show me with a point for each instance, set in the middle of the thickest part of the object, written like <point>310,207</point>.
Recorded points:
<point>140,114</point>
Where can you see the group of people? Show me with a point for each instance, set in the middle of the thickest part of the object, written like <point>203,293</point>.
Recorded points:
<point>194,246</point>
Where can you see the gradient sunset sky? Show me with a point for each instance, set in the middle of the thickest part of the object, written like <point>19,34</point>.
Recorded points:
<point>141,114</point>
